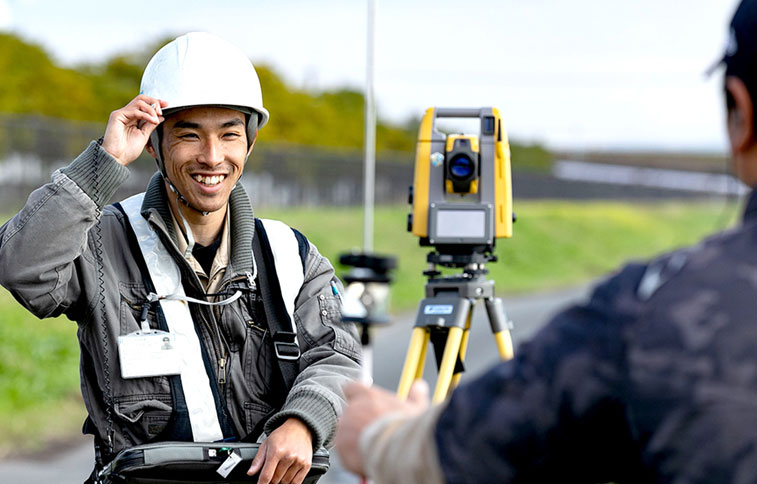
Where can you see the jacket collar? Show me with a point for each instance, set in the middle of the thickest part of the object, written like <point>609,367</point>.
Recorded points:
<point>155,209</point>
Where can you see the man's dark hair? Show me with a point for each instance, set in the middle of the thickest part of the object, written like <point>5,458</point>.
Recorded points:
<point>740,57</point>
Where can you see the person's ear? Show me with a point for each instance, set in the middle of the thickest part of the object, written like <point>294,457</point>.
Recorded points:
<point>740,117</point>
<point>252,144</point>
<point>150,149</point>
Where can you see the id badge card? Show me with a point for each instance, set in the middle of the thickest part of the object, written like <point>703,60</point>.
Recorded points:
<point>148,353</point>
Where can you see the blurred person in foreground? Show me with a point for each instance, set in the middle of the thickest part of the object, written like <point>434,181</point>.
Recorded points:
<point>654,379</point>
<point>187,257</point>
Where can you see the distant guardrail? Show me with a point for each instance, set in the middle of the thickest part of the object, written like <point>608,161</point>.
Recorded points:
<point>666,179</point>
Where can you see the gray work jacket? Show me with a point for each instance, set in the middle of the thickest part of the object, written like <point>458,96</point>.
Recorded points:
<point>48,261</point>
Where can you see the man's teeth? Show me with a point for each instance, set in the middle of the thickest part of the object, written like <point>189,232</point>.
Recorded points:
<point>210,180</point>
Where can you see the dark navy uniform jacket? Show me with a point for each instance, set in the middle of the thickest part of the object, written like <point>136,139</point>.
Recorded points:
<point>654,379</point>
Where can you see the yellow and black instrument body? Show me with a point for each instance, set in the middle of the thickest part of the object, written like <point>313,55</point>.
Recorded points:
<point>462,193</point>
<point>461,204</point>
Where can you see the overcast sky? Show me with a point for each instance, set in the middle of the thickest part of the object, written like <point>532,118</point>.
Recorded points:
<point>580,74</point>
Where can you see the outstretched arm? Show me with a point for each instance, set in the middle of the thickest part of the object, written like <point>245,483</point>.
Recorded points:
<point>372,425</point>
<point>554,412</point>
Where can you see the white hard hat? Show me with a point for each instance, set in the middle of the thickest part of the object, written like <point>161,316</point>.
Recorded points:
<point>199,69</point>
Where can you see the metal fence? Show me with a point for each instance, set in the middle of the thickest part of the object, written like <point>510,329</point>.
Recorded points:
<point>31,148</point>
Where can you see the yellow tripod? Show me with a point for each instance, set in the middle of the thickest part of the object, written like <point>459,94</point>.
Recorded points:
<point>445,315</point>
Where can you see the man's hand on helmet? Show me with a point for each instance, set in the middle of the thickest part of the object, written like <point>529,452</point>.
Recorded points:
<point>129,128</point>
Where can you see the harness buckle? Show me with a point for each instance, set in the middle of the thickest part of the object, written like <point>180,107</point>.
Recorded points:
<point>285,346</point>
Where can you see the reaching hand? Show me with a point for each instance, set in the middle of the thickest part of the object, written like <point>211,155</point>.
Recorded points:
<point>129,128</point>
<point>285,456</point>
<point>364,406</point>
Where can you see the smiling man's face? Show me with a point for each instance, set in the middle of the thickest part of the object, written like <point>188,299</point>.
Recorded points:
<point>204,151</point>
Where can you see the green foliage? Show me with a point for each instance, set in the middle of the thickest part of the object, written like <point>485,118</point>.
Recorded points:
<point>330,118</point>
<point>34,84</point>
<point>530,157</point>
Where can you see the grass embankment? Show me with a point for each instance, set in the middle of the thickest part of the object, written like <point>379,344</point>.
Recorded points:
<point>39,379</point>
<point>555,244</point>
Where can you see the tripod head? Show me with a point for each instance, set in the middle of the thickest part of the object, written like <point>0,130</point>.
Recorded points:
<point>367,292</point>
<point>366,299</point>
<point>473,263</point>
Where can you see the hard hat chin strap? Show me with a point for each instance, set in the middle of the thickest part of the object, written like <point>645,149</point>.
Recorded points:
<point>155,140</point>
<point>187,227</point>
<point>181,198</point>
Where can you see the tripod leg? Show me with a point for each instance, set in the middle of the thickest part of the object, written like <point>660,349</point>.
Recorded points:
<point>504,344</point>
<point>451,351</point>
<point>463,346</point>
<point>500,327</point>
<point>422,357</point>
<point>415,351</point>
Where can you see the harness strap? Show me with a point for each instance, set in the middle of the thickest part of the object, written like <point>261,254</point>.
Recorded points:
<point>166,278</point>
<point>281,259</point>
<point>290,270</point>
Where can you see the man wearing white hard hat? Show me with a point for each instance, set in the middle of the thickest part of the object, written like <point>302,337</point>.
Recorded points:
<point>197,321</point>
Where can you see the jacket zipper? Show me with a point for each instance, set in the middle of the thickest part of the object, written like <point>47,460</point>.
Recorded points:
<point>222,353</point>
<point>222,371</point>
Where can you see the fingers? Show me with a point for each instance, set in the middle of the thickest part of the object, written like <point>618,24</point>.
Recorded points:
<point>257,461</point>
<point>142,109</point>
<point>155,103</point>
<point>354,389</point>
<point>347,439</point>
<point>299,478</point>
<point>365,405</point>
<point>360,394</point>
<point>419,393</point>
<point>157,106</point>
<point>285,470</point>
<point>129,127</point>
<point>267,473</point>
<point>145,112</point>
<point>295,473</point>
<point>278,465</point>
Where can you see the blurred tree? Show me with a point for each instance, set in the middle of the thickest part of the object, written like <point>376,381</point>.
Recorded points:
<point>32,83</point>
<point>531,157</point>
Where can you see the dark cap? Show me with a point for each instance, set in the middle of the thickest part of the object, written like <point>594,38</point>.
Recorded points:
<point>740,57</point>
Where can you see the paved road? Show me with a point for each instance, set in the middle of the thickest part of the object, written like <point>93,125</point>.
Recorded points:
<point>72,465</point>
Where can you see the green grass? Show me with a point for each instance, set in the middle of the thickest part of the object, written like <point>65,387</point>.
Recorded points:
<point>39,378</point>
<point>554,244</point>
